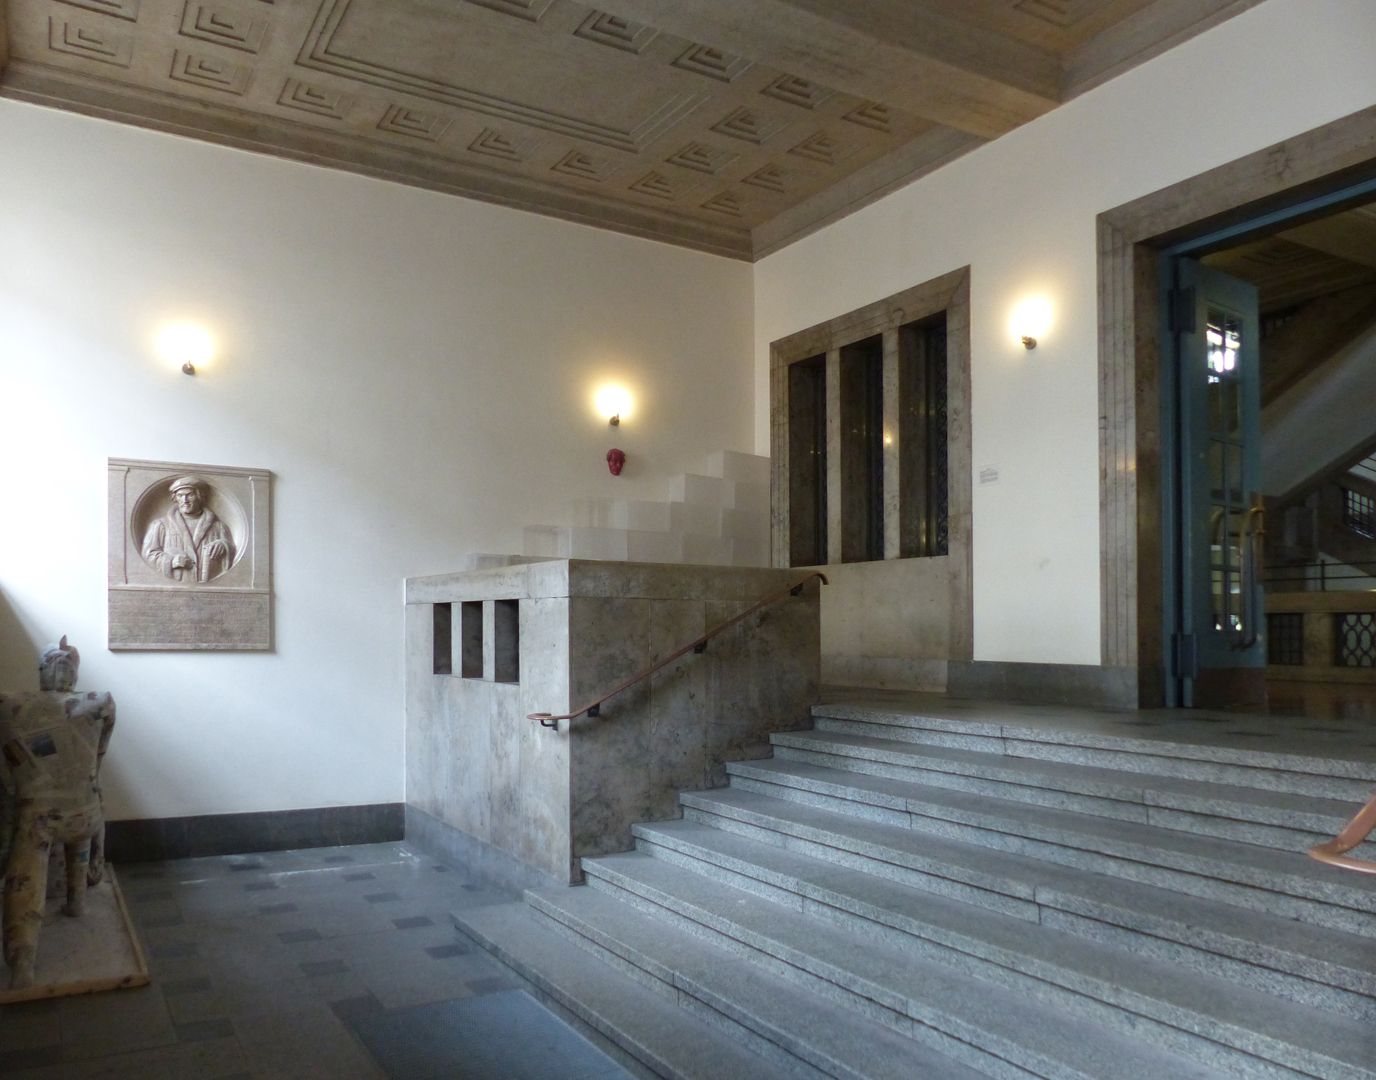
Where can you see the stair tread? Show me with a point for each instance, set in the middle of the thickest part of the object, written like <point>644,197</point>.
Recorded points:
<point>1150,789</point>
<point>665,1035</point>
<point>1350,957</point>
<point>1035,950</point>
<point>931,993</point>
<point>1179,737</point>
<point>800,1021</point>
<point>1267,867</point>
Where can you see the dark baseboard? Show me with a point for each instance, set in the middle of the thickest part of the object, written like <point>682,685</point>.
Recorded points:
<point>150,839</point>
<point>482,861</point>
<point>1044,684</point>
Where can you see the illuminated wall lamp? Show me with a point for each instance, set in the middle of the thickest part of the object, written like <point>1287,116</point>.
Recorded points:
<point>612,402</point>
<point>1030,320</point>
<point>185,345</point>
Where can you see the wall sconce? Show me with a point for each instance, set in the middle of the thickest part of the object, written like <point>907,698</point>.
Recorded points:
<point>185,345</point>
<point>1031,319</point>
<point>613,402</point>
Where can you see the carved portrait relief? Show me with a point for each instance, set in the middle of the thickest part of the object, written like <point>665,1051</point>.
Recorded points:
<point>190,556</point>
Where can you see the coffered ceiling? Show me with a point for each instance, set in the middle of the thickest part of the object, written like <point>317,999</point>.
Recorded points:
<point>733,126</point>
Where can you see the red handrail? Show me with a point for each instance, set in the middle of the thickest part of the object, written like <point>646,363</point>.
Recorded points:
<point>550,720</point>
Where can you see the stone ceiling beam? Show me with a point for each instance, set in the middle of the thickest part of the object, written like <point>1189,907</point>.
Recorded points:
<point>897,52</point>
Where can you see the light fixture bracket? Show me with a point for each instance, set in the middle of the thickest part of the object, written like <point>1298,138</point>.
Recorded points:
<point>1029,343</point>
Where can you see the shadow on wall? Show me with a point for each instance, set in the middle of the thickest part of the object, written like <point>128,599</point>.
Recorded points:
<point>18,650</point>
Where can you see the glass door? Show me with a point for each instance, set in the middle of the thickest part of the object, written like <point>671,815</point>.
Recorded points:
<point>1220,649</point>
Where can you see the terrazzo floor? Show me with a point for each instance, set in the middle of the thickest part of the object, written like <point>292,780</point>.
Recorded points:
<point>329,962</point>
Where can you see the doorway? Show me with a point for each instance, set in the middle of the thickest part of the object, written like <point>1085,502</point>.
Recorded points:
<point>1270,566</point>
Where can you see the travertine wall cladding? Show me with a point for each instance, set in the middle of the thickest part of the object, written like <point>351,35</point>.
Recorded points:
<point>189,555</point>
<point>546,798</point>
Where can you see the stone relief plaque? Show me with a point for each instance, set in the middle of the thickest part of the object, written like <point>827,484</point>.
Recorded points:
<point>190,556</point>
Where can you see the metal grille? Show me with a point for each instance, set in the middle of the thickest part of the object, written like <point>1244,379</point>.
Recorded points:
<point>1359,513</point>
<point>941,486</point>
<point>1356,639</point>
<point>1285,638</point>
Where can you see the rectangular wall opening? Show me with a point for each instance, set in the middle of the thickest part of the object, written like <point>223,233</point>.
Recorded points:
<point>506,634</point>
<point>807,461</point>
<point>923,528</point>
<point>442,616</point>
<point>471,639</point>
<point>862,450</point>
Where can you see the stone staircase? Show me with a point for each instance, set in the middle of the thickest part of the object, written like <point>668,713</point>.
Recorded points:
<point>929,893</point>
<point>719,517</point>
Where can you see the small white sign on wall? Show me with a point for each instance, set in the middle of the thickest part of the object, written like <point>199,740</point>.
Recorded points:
<point>989,475</point>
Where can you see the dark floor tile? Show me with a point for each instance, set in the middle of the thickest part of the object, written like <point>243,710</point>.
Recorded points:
<point>338,859</point>
<point>242,867</point>
<point>203,1029</point>
<point>33,1058</point>
<point>354,1011</point>
<point>491,984</point>
<point>161,922</point>
<point>291,937</point>
<point>145,897</point>
<point>382,897</point>
<point>323,967</point>
<point>261,886</point>
<point>415,922</point>
<point>361,876</point>
<point>447,952</point>
<point>177,987</point>
<point>277,909</point>
<point>440,869</point>
<point>174,950</point>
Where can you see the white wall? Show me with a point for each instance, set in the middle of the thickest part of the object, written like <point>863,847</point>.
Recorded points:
<point>413,367</point>
<point>1021,212</point>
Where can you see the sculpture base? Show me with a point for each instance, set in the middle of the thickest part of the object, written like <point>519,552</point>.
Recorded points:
<point>98,951</point>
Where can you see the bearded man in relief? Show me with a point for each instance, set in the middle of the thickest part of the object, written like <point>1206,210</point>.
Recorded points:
<point>189,542</point>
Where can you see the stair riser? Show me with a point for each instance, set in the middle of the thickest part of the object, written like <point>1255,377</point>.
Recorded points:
<point>1135,761</point>
<point>663,983</point>
<point>1133,862</point>
<point>1206,960</point>
<point>989,893</point>
<point>1176,1028</point>
<point>1233,826</point>
<point>947,1034</point>
<point>986,892</point>
<point>1293,987</point>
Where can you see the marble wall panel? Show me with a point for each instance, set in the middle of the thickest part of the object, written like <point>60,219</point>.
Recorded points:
<point>543,838</point>
<point>678,697</point>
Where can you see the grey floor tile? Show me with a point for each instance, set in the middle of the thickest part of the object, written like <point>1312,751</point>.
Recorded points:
<point>307,1041</point>
<point>99,1025</point>
<point>29,1026</point>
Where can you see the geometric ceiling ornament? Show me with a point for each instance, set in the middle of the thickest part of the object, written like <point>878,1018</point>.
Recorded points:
<point>530,10</point>
<point>403,120</point>
<point>713,63</point>
<point>706,159</point>
<point>106,44</point>
<point>494,144</point>
<point>210,71</point>
<point>725,203</point>
<point>348,39</point>
<point>213,22</point>
<point>797,91</point>
<point>822,148</point>
<point>313,99</point>
<point>578,164</point>
<point>618,33</point>
<point>769,178</point>
<point>748,125</point>
<point>871,115</point>
<point>120,9</point>
<point>655,185</point>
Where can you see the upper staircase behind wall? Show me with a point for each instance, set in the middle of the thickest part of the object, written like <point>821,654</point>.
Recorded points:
<point>719,517</point>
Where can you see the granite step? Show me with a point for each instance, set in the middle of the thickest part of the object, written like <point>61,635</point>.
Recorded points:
<point>895,986</point>
<point>1218,761</point>
<point>666,1039</point>
<point>948,846</point>
<point>867,991</point>
<point>1098,843</point>
<point>1309,965</point>
<point>1203,1014</point>
<point>1270,818</point>
<point>799,1031</point>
